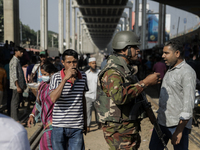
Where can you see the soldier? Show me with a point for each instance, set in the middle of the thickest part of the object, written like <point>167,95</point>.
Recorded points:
<point>117,92</point>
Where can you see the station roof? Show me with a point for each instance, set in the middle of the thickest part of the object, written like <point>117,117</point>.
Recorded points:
<point>101,18</point>
<point>192,6</point>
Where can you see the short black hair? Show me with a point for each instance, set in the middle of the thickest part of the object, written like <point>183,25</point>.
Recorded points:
<point>57,57</point>
<point>18,48</point>
<point>175,45</point>
<point>34,59</point>
<point>70,52</point>
<point>49,67</point>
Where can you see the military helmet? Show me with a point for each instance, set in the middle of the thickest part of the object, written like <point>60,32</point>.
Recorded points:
<point>123,39</point>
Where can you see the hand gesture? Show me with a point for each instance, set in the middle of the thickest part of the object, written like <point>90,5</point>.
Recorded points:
<point>152,79</point>
<point>70,72</point>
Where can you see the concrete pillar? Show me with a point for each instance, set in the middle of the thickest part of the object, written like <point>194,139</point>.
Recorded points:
<point>125,23</point>
<point>61,25</point>
<point>78,33</point>
<point>11,21</point>
<point>46,25</point>
<point>161,24</point>
<point>73,25</point>
<point>144,24</point>
<point>16,22</point>
<point>82,28</point>
<point>136,28</point>
<point>20,33</point>
<point>130,19</point>
<point>67,24</point>
<point>52,42</point>
<point>37,37</point>
<point>43,24</point>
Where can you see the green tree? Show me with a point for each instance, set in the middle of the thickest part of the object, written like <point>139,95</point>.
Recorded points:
<point>28,34</point>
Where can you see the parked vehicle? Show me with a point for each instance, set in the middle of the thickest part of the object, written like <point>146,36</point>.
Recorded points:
<point>196,110</point>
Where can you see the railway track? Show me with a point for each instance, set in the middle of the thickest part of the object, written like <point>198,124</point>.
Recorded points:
<point>34,140</point>
<point>194,136</point>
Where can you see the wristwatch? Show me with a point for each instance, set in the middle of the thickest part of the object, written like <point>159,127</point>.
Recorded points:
<point>142,85</point>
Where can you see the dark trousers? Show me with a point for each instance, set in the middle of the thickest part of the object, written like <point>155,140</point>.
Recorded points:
<point>14,105</point>
<point>9,97</point>
<point>156,144</point>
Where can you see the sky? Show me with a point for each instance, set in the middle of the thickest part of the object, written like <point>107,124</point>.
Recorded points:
<point>30,15</point>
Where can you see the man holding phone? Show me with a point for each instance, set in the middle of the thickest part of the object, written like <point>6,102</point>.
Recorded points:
<point>67,91</point>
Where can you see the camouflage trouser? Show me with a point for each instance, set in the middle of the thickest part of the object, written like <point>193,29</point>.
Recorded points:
<point>122,136</point>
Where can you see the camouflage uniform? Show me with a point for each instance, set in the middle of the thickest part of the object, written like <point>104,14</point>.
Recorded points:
<point>116,95</point>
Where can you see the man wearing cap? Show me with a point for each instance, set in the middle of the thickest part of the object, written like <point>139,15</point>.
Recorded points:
<point>117,94</point>
<point>37,67</point>
<point>17,81</point>
<point>92,75</point>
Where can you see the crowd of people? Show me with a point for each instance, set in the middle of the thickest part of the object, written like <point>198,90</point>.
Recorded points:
<point>68,91</point>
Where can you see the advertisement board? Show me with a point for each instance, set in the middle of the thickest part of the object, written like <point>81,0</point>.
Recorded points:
<point>153,20</point>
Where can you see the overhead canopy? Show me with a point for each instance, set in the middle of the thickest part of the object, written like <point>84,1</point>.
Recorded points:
<point>192,6</point>
<point>101,18</point>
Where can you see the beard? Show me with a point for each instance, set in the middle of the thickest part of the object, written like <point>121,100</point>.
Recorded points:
<point>93,69</point>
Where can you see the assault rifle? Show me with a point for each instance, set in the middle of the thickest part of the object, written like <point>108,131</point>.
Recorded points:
<point>152,118</point>
<point>147,107</point>
<point>143,103</point>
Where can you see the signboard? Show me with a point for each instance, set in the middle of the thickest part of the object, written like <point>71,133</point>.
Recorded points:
<point>153,20</point>
<point>153,27</point>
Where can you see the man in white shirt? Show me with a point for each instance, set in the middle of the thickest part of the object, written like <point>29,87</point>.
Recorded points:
<point>92,75</point>
<point>176,101</point>
<point>13,135</point>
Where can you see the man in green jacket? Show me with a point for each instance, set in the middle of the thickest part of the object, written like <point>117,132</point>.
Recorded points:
<point>118,92</point>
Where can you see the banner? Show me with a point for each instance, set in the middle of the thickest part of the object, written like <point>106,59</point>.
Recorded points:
<point>152,27</point>
<point>153,20</point>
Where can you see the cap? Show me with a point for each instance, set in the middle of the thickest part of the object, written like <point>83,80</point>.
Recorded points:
<point>42,53</point>
<point>92,59</point>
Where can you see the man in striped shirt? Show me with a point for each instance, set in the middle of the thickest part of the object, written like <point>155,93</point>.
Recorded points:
<point>67,91</point>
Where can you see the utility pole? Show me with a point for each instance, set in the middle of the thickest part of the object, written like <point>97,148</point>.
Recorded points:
<point>178,25</point>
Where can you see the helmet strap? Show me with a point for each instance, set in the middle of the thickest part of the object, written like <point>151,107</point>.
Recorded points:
<point>129,52</point>
<point>128,57</point>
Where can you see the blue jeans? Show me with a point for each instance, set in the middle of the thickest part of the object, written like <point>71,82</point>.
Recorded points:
<point>156,144</point>
<point>67,139</point>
